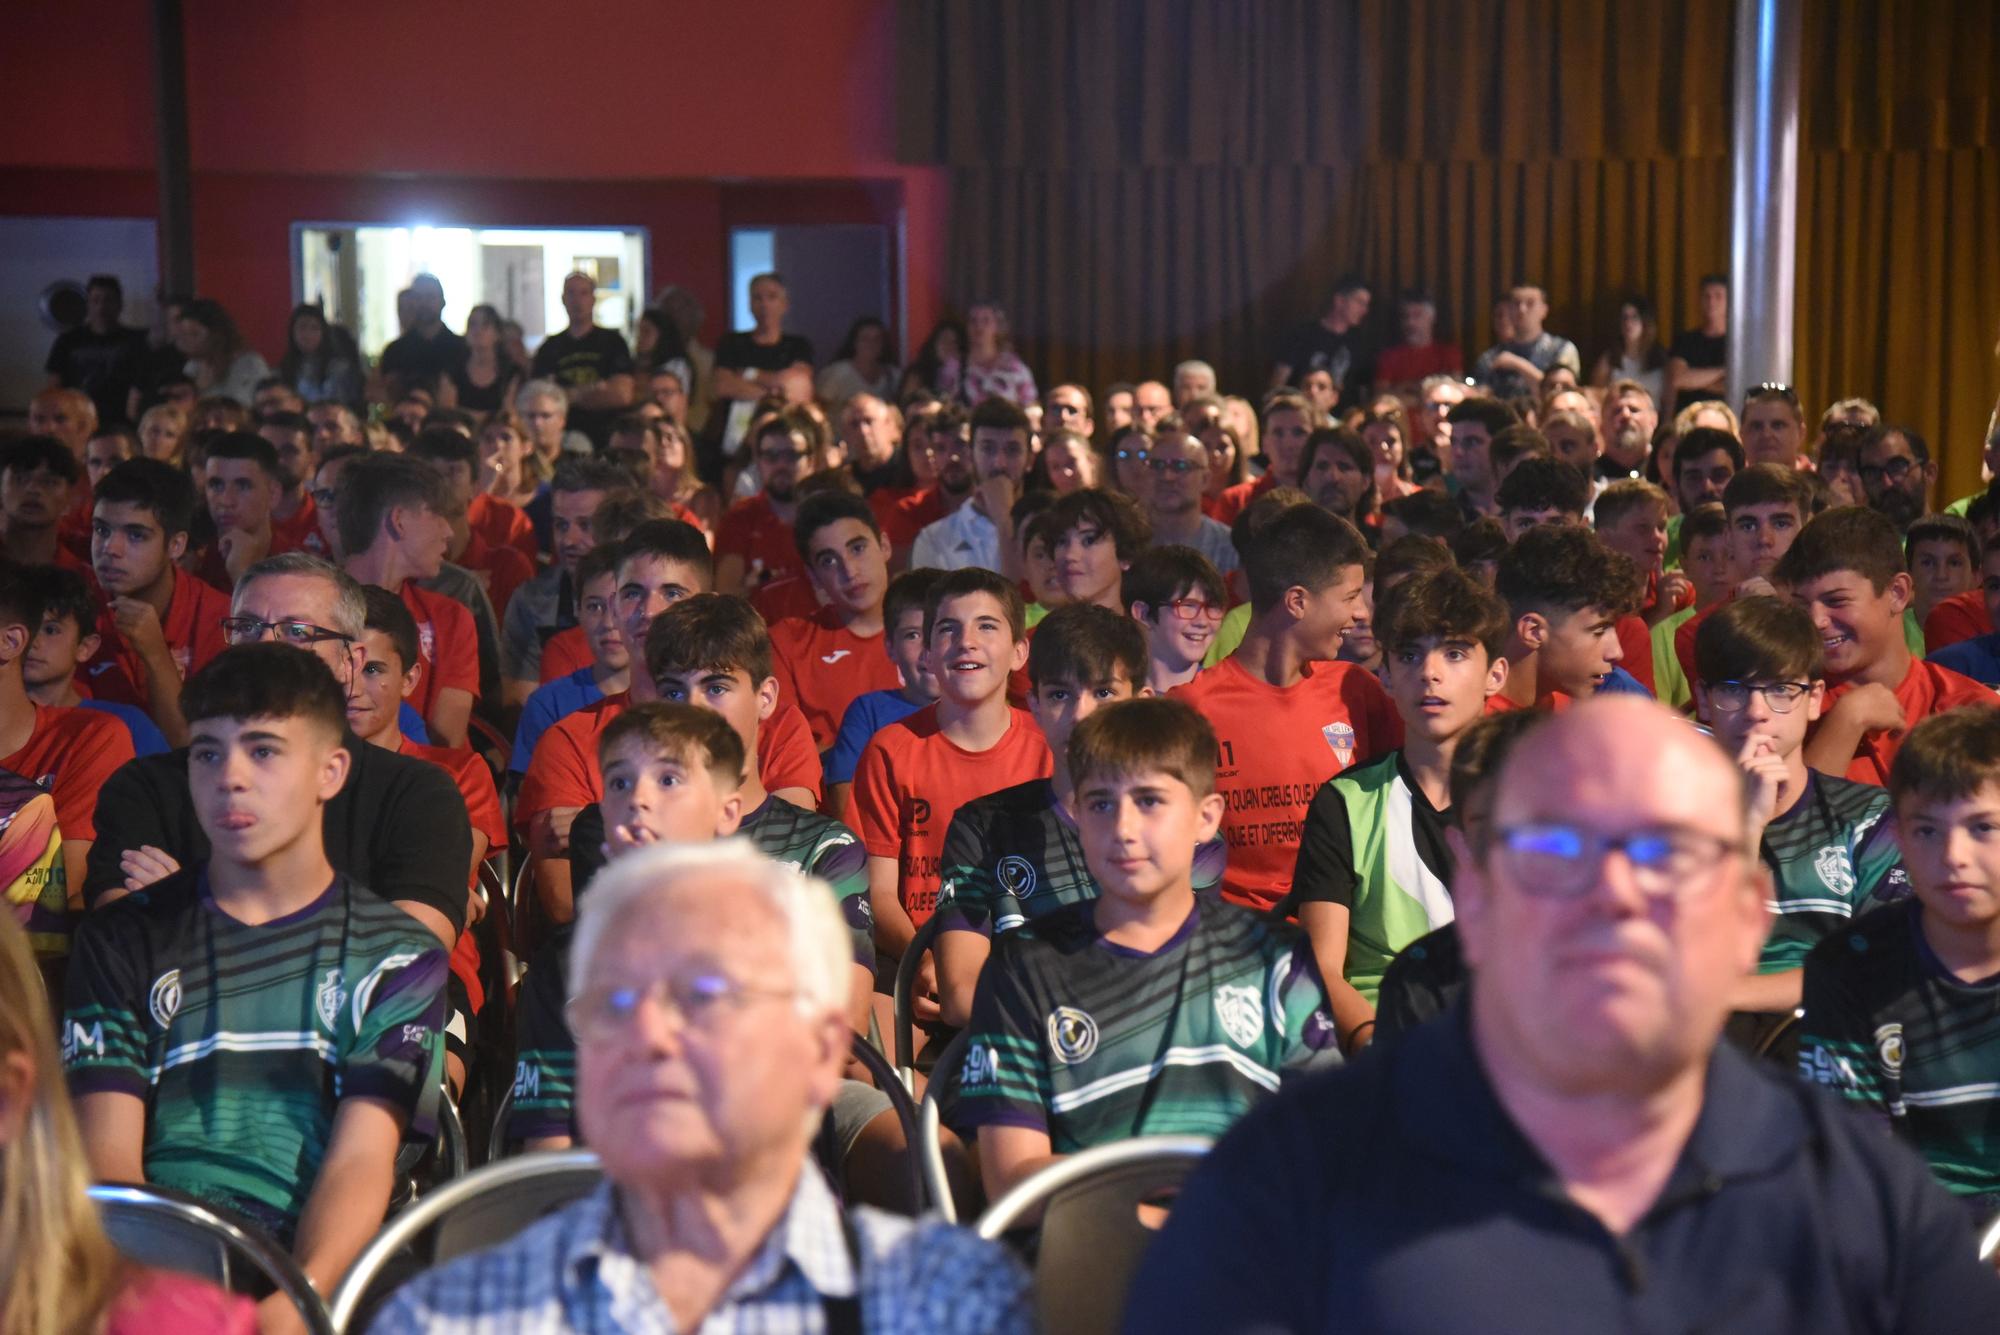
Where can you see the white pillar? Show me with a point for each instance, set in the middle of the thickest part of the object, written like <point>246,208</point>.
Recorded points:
<point>1763,215</point>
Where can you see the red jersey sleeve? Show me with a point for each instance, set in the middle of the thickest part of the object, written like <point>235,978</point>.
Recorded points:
<point>875,806</point>
<point>733,532</point>
<point>1959,617</point>
<point>1637,643</point>
<point>482,799</point>
<point>566,651</point>
<point>786,757</point>
<point>1379,726</point>
<point>561,773</point>
<point>83,751</point>
<point>456,652</point>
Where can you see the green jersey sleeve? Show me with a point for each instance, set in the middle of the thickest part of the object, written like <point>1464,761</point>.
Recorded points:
<point>397,1052</point>
<point>105,1039</point>
<point>545,1061</point>
<point>967,892</point>
<point>1837,1035</point>
<point>1299,1008</point>
<point>1005,1079</point>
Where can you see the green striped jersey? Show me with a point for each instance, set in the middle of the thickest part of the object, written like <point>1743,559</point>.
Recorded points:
<point>819,846</point>
<point>1890,1027</point>
<point>1013,857</point>
<point>1831,856</point>
<point>243,1039</point>
<point>1094,1042</point>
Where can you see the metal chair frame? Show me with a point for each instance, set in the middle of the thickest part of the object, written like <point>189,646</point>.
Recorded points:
<point>929,1143</point>
<point>1989,1241</point>
<point>905,999</point>
<point>890,1082</point>
<point>1042,1187</point>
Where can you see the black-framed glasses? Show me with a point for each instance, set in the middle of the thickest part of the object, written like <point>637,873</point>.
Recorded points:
<point>696,1000</point>
<point>1730,697</point>
<point>1890,470</point>
<point>1552,860</point>
<point>1178,467</point>
<point>302,634</point>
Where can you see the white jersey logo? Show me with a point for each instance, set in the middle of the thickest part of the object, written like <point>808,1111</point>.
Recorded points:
<point>1072,1035</point>
<point>164,1001</point>
<point>1835,870</point>
<point>328,998</point>
<point>835,656</point>
<point>1241,1010</point>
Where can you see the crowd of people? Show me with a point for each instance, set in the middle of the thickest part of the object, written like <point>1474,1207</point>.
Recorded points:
<point>1221,765</point>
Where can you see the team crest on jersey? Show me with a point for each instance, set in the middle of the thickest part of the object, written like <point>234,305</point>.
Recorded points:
<point>1889,1048</point>
<point>1072,1035</point>
<point>1241,1010</point>
<point>1836,872</point>
<point>164,1001</point>
<point>1016,875</point>
<point>1340,737</point>
<point>426,641</point>
<point>328,998</point>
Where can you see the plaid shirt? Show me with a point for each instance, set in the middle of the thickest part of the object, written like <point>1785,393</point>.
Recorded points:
<point>575,1271</point>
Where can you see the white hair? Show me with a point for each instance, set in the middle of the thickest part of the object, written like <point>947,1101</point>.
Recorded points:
<point>1195,367</point>
<point>816,936</point>
<point>540,389</point>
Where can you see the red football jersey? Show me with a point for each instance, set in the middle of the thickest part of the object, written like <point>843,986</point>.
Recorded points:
<point>752,530</point>
<point>1926,689</point>
<point>447,645</point>
<point>192,625</point>
<point>1962,616</point>
<point>822,667</point>
<point>502,524</point>
<point>71,753</point>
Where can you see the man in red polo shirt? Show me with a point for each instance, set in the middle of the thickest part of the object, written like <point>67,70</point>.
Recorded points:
<point>1288,419</point>
<point>392,527</point>
<point>753,540</point>
<point>1846,569</point>
<point>159,623</point>
<point>825,662</point>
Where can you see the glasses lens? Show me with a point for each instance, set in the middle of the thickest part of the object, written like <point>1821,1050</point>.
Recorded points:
<point>1728,696</point>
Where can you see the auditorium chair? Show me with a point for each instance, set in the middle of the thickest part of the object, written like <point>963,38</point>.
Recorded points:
<point>171,1230</point>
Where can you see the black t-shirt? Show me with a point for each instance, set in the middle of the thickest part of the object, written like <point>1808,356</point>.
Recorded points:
<point>1314,347</point>
<point>1701,352</point>
<point>485,398</point>
<point>104,366</point>
<point>740,352</point>
<point>419,361</point>
<point>578,363</point>
<point>398,825</point>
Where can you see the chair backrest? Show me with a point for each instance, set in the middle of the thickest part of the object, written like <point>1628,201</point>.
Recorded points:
<point>890,1083</point>
<point>479,1210</point>
<point>170,1230</point>
<point>905,998</point>
<point>1989,1241</point>
<point>929,1142</point>
<point>1091,1236</point>
<point>496,1144</point>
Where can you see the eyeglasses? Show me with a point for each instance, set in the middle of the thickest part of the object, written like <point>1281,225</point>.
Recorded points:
<point>1731,696</point>
<point>1553,861</point>
<point>1894,470</point>
<point>1178,467</point>
<point>1193,609</point>
<point>696,1000</point>
<point>249,630</point>
<point>1124,454</point>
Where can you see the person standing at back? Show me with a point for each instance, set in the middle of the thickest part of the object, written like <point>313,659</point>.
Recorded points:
<point>426,350</point>
<point>752,364</point>
<point>100,356</point>
<point>591,363</point>
<point>1517,365</point>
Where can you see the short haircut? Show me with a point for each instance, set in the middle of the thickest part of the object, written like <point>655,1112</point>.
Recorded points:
<point>1759,638</point>
<point>540,389</point>
<point>1943,528</point>
<point>689,734</point>
<point>1257,516</point>
<point>285,420</point>
<point>266,680</point>
<point>1624,496</point>
<point>997,414</point>
<point>1150,735</point>
<point>1518,442</point>
<point>1704,521</point>
<point>1407,556</point>
<point>1426,512</point>
<point>350,606</point>
<point>1114,513</point>
<point>1707,440</point>
<point>1863,408</point>
<point>1159,575</point>
<point>1342,438</point>
<point>1288,401</point>
<point>245,445</point>
<point>1768,484</point>
<point>370,488</point>
<point>387,614</point>
<point>1304,547</point>
<point>20,599</point>
<point>671,540</point>
<point>598,562</point>
<point>1850,537</point>
<point>1492,414</point>
<point>119,432</point>
<point>1544,484</point>
<point>1481,540</point>
<point>1947,757</point>
<point>1084,644</point>
<point>446,445</point>
<point>828,507</point>
<point>1918,445</point>
<point>1482,749</point>
<point>1444,605</point>
<point>971,580</point>
<point>1559,569</point>
<point>63,594</point>
<point>581,474</point>
<point>909,592</point>
<point>152,485</point>
<point>32,452</point>
<point>452,419</point>
<point>709,632</point>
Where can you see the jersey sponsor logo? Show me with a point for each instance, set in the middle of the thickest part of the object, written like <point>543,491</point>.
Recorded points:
<point>916,815</point>
<point>426,641</point>
<point>527,1080</point>
<point>1889,1048</point>
<point>835,656</point>
<point>164,1001</point>
<point>1836,872</point>
<point>982,1067</point>
<point>77,1041</point>
<point>328,998</point>
<point>1821,1067</point>
<point>1321,1034</point>
<point>1340,736</point>
<point>1016,876</point>
<point>1241,1011</point>
<point>1072,1035</point>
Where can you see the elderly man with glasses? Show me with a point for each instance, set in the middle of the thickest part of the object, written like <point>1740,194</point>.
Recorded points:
<point>708,987</point>
<point>1177,464</point>
<point>1572,1148</point>
<point>398,824</point>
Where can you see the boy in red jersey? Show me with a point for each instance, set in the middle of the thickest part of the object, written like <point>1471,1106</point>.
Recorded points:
<point>1286,716</point>
<point>1565,593</point>
<point>825,662</point>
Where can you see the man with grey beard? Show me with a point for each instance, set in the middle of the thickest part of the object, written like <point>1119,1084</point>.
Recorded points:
<point>1627,424</point>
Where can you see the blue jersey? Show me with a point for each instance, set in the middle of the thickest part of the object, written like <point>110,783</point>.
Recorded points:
<point>868,713</point>
<point>147,739</point>
<point>1977,658</point>
<point>550,703</point>
<point>411,724</point>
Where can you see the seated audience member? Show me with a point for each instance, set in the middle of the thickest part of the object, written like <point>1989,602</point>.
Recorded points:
<point>1331,344</point>
<point>1424,513</point>
<point>241,482</point>
<point>1896,473</point>
<point>610,667</point>
<point>1539,491</point>
<point>258,1029</point>
<point>507,481</point>
<point>159,623</point>
<point>394,532</point>
<point>980,533</point>
<point>1306,575</point>
<point>1706,564</point>
<point>1626,422</point>
<point>63,1271</point>
<point>1474,422</point>
<point>1979,656</point>
<point>1287,419</point>
<point>903,642</point>
<point>1825,840</point>
<point>618,516</point>
<point>547,603</point>
<point>1178,598</point>
<point>1512,447</point>
<point>1076,1008</point>
<point>1091,536</point>
<point>1572,438</point>
<point>1177,471</point>
<point>1774,428</point>
<point>1846,570</point>
<point>499,568</point>
<point>1942,552</point>
<point>1518,364</point>
<point>1900,1009</point>
<point>38,476</point>
<point>738,949</point>
<point>64,639</point>
<point>916,772</point>
<point>1338,472</point>
<point>826,662</point>
<point>1419,354</point>
<point>106,449</point>
<point>941,462</point>
<point>1704,462</point>
<point>1630,517</point>
<point>1575,1122</point>
<point>294,523</point>
<point>1564,593</point>
<point>753,539</point>
<point>1766,507</point>
<point>1374,872</point>
<point>397,825</point>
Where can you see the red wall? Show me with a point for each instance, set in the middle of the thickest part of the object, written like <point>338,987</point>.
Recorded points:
<point>685,118</point>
